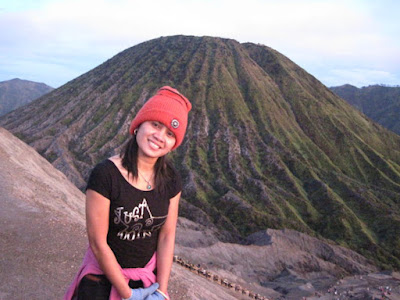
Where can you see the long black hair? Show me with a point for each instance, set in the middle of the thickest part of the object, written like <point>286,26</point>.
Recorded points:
<point>164,172</point>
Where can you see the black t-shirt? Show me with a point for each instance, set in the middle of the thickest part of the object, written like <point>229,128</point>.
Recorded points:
<point>136,216</point>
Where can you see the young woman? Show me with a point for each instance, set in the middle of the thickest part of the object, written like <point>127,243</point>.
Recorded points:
<point>132,208</point>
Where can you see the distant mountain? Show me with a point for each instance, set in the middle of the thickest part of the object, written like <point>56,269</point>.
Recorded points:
<point>16,92</point>
<point>268,145</point>
<point>380,103</point>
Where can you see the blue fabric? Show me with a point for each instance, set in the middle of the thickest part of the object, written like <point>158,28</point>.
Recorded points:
<point>141,294</point>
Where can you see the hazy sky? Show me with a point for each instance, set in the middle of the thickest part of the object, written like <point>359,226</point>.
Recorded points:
<point>55,41</point>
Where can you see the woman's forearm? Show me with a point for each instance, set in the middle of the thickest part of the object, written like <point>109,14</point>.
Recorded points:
<point>166,244</point>
<point>165,252</point>
<point>97,214</point>
<point>109,265</point>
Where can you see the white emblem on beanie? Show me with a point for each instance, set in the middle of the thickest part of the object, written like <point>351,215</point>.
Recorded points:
<point>175,123</point>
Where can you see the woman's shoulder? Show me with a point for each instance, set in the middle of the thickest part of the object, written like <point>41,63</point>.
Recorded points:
<point>106,166</point>
<point>101,178</point>
<point>116,159</point>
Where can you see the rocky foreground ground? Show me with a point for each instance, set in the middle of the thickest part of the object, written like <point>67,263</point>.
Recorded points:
<point>285,264</point>
<point>43,240</point>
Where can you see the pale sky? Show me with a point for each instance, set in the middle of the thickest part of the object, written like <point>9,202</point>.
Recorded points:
<point>339,42</point>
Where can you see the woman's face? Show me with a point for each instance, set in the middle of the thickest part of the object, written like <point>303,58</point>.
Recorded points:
<point>154,139</point>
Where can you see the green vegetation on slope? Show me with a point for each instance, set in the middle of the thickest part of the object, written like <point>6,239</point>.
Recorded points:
<point>267,144</point>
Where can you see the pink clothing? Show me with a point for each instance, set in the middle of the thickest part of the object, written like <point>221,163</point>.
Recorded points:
<point>91,266</point>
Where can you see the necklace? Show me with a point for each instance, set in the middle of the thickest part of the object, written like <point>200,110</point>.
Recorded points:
<point>148,181</point>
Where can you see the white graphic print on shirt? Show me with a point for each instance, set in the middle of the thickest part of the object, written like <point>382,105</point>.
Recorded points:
<point>134,229</point>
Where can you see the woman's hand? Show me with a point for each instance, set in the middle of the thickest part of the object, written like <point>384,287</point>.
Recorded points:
<point>155,296</point>
<point>141,294</point>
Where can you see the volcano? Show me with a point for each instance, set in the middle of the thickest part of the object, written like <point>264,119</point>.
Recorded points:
<point>267,145</point>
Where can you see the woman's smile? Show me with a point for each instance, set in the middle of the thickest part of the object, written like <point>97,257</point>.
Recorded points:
<point>154,145</point>
<point>154,139</point>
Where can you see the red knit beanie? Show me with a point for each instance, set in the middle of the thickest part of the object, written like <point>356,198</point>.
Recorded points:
<point>169,107</point>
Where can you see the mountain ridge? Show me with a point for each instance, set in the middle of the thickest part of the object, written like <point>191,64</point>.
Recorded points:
<point>17,92</point>
<point>380,103</point>
<point>267,146</point>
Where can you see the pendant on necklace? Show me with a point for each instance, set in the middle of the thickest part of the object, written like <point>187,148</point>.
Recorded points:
<point>147,181</point>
